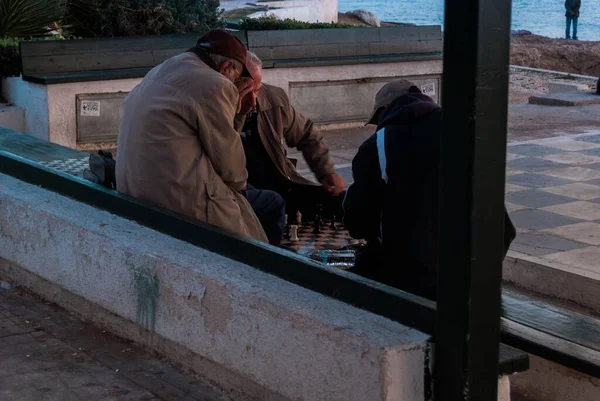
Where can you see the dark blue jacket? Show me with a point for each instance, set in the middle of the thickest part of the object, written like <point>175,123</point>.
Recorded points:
<point>394,199</point>
<point>572,7</point>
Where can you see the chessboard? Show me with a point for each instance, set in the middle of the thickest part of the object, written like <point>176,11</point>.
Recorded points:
<point>332,245</point>
<point>69,166</point>
<point>328,238</point>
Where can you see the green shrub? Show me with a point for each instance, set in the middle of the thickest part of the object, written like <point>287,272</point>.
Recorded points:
<point>152,17</point>
<point>270,23</point>
<point>10,62</point>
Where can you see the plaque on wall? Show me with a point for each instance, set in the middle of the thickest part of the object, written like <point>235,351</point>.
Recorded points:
<point>99,116</point>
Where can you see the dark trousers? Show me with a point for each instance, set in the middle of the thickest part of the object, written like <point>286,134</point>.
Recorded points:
<point>269,207</point>
<point>305,198</point>
<point>571,20</point>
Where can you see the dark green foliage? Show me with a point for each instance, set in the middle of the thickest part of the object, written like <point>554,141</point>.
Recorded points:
<point>10,62</point>
<point>26,18</point>
<point>152,17</point>
<point>269,23</point>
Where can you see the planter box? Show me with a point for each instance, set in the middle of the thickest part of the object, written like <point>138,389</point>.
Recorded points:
<point>331,75</point>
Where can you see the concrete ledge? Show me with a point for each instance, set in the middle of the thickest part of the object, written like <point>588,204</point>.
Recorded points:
<point>265,335</point>
<point>566,99</point>
<point>548,381</point>
<point>553,281</point>
<point>561,86</point>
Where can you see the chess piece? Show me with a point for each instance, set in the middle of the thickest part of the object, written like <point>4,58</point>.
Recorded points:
<point>317,223</point>
<point>332,225</point>
<point>286,227</point>
<point>298,218</point>
<point>294,233</point>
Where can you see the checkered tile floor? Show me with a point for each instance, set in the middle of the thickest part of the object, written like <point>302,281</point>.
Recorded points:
<point>553,196</point>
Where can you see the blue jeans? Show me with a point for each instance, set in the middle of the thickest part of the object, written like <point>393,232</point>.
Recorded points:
<point>269,207</point>
<point>568,33</point>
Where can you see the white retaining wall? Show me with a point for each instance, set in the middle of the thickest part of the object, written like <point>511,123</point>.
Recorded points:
<point>263,330</point>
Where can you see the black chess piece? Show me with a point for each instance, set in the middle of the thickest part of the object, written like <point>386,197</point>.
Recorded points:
<point>332,225</point>
<point>317,223</point>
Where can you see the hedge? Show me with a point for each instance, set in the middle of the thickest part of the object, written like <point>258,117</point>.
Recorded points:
<point>270,23</point>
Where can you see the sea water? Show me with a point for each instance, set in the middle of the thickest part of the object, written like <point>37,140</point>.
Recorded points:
<point>542,17</point>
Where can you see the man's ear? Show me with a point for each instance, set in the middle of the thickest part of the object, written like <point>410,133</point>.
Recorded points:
<point>226,65</point>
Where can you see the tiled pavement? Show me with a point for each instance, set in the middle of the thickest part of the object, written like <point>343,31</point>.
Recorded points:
<point>553,196</point>
<point>47,354</point>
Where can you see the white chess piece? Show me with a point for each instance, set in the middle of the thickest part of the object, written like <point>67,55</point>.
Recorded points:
<point>298,218</point>
<point>294,233</point>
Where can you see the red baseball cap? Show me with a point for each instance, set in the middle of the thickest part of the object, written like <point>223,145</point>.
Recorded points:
<point>221,42</point>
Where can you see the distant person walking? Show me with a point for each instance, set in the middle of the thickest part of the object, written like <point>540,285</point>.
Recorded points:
<point>572,15</point>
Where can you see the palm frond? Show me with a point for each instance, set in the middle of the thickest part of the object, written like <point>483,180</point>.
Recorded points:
<point>27,18</point>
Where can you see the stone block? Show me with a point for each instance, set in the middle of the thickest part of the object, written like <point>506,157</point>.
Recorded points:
<point>548,381</point>
<point>12,117</point>
<point>561,86</point>
<point>566,99</point>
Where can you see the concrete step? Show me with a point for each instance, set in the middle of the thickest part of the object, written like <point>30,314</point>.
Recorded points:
<point>566,99</point>
<point>546,380</point>
<point>552,279</point>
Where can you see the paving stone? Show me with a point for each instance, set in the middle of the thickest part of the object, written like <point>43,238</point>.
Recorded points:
<point>591,152</point>
<point>590,138</point>
<point>572,158</point>
<point>538,244</point>
<point>511,207</point>
<point>569,144</point>
<point>588,232</point>
<point>535,219</point>
<point>583,258</point>
<point>531,180</point>
<point>534,164</point>
<point>534,150</point>
<point>510,171</point>
<point>582,210</point>
<point>513,156</point>
<point>51,364</point>
<point>577,190</point>
<point>595,166</point>
<point>534,198</point>
<point>509,188</point>
<point>574,173</point>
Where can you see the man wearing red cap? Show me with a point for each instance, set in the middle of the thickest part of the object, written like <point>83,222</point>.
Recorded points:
<point>177,147</point>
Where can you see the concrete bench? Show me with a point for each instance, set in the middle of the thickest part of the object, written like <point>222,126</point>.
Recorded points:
<point>331,75</point>
<point>51,62</point>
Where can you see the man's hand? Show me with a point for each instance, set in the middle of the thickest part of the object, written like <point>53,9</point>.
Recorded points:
<point>245,86</point>
<point>334,184</point>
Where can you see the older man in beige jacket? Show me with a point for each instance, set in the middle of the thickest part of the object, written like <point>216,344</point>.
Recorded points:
<point>177,147</point>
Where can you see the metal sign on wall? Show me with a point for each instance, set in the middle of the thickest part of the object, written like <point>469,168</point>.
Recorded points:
<point>99,116</point>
